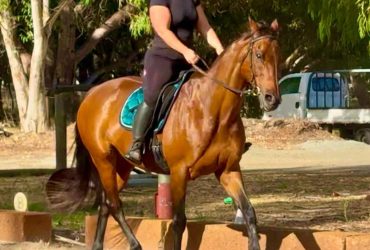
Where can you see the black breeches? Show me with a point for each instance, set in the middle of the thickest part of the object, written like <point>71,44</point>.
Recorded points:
<point>158,71</point>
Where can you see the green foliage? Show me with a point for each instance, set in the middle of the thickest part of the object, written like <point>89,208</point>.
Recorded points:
<point>364,17</point>
<point>140,23</point>
<point>141,4</point>
<point>4,4</point>
<point>87,2</point>
<point>23,17</point>
<point>347,21</point>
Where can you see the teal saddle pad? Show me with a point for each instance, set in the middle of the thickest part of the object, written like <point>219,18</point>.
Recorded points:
<point>164,104</point>
<point>129,109</point>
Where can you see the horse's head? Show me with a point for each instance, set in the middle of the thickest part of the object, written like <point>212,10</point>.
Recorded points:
<point>260,58</point>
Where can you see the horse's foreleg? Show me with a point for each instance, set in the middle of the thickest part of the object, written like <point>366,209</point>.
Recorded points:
<point>119,216</point>
<point>108,177</point>
<point>178,192</point>
<point>102,223</point>
<point>233,183</point>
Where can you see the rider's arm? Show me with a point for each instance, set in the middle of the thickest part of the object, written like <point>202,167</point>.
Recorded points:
<point>207,31</point>
<point>160,18</point>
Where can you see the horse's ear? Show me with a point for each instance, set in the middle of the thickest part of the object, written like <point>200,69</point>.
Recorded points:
<point>253,25</point>
<point>275,26</point>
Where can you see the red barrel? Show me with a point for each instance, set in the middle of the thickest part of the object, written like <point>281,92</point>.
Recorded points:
<point>163,201</point>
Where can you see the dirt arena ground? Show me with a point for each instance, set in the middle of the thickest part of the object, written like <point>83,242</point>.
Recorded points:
<point>296,174</point>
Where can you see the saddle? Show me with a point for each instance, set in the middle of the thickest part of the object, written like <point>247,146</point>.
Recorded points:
<point>166,99</point>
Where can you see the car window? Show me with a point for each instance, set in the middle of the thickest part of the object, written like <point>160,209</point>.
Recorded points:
<point>325,84</point>
<point>290,85</point>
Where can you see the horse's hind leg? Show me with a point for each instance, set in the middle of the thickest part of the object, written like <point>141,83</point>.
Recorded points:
<point>233,183</point>
<point>106,167</point>
<point>178,192</point>
<point>102,223</point>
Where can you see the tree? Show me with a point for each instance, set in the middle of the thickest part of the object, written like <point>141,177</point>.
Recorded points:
<point>28,72</point>
<point>20,81</point>
<point>344,26</point>
<point>350,19</point>
<point>94,41</point>
<point>36,118</point>
<point>363,17</point>
<point>328,38</point>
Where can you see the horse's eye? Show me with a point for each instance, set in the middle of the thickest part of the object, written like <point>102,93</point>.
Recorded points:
<point>259,55</point>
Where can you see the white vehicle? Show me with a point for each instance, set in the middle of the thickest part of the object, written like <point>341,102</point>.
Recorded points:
<point>323,97</point>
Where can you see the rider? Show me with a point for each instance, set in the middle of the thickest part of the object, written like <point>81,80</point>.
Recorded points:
<point>173,22</point>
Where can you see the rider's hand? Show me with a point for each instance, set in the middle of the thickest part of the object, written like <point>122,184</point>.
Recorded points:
<point>219,50</point>
<point>190,56</point>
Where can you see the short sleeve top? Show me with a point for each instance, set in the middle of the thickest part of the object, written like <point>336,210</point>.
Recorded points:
<point>183,21</point>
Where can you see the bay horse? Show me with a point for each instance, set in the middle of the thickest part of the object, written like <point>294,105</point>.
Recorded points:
<point>204,134</point>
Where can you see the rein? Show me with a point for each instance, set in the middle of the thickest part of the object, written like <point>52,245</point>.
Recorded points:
<point>219,82</point>
<point>240,92</point>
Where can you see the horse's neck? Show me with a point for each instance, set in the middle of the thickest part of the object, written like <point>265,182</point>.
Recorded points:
<point>218,101</point>
<point>227,69</point>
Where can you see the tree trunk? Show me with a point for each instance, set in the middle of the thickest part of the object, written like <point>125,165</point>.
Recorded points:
<point>26,60</point>
<point>51,64</point>
<point>360,90</point>
<point>66,52</point>
<point>114,22</point>
<point>2,113</point>
<point>289,61</point>
<point>19,77</point>
<point>36,119</point>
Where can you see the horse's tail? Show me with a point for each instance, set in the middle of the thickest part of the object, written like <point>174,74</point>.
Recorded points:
<point>67,188</point>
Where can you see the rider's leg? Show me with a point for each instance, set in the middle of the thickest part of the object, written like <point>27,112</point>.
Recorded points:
<point>140,127</point>
<point>157,71</point>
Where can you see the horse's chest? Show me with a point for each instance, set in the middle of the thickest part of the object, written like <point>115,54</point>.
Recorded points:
<point>200,143</point>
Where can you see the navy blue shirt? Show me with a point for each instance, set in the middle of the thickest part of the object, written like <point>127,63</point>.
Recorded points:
<point>183,22</point>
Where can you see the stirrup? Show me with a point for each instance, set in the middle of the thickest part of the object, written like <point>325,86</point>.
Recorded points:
<point>135,154</point>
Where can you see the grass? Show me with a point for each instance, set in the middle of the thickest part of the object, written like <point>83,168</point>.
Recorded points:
<point>26,172</point>
<point>345,209</point>
<point>73,221</point>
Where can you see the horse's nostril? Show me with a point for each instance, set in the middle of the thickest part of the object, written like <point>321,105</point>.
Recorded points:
<point>269,98</point>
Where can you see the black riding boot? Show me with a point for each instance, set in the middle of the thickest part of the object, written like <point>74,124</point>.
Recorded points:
<point>139,129</point>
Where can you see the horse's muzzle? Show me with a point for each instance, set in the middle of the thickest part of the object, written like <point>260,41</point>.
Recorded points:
<point>269,101</point>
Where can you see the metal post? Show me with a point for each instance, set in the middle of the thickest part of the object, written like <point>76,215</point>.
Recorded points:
<point>60,132</point>
<point>163,201</point>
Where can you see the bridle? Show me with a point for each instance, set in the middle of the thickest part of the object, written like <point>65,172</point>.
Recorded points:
<point>255,90</point>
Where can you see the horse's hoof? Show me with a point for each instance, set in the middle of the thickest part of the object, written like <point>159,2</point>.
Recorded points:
<point>138,247</point>
<point>254,247</point>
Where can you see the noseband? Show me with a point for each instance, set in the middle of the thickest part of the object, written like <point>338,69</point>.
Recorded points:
<point>255,90</point>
